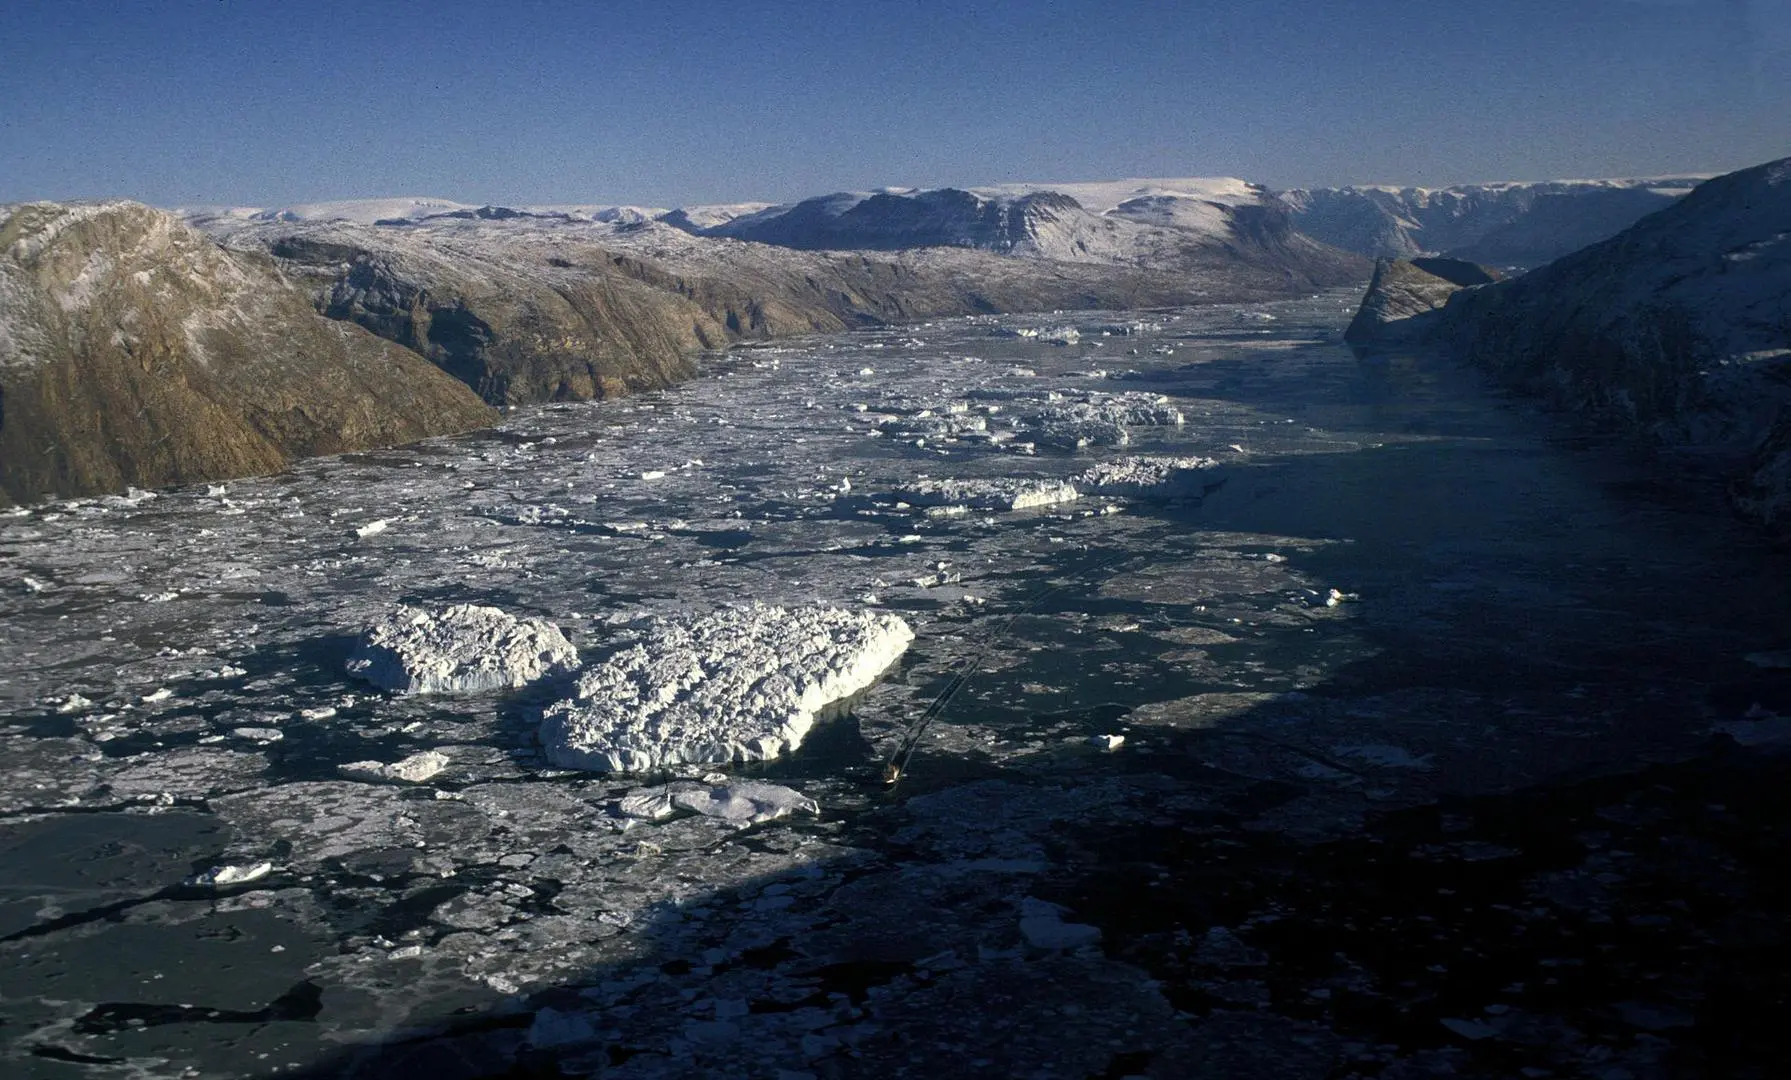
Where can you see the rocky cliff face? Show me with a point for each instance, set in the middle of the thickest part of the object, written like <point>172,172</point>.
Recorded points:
<point>527,308</point>
<point>1499,224</point>
<point>133,350</point>
<point>517,323</point>
<point>1680,326</point>
<point>1405,300</point>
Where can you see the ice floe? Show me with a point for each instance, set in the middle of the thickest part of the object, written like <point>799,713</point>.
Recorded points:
<point>993,494</point>
<point>739,683</point>
<point>414,769</point>
<point>738,802</point>
<point>1148,477</point>
<point>221,877</point>
<point>460,649</point>
<point>1099,419</point>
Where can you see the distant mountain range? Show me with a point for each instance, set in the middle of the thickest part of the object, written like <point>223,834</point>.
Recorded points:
<point>145,347</point>
<point>1505,224</point>
<point>1118,222</point>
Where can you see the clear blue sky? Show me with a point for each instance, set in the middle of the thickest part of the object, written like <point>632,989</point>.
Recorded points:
<point>669,103</point>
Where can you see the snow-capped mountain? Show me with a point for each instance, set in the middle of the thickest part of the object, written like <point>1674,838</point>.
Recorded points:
<point>1121,222</point>
<point>1511,224</point>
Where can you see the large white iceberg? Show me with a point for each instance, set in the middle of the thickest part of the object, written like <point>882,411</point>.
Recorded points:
<point>1100,419</point>
<point>1148,477</point>
<point>1001,493</point>
<point>465,648</point>
<point>739,683</point>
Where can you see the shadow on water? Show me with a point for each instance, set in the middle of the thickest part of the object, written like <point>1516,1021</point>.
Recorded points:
<point>1491,840</point>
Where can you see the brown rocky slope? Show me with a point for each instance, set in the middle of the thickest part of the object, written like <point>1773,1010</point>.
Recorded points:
<point>135,351</point>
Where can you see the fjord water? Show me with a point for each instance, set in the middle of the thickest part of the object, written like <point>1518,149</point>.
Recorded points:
<point>1407,585</point>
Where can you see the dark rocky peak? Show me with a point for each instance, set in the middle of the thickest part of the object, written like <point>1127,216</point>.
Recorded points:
<point>1457,271</point>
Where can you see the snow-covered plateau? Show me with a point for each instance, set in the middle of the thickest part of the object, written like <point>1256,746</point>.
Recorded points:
<point>932,747</point>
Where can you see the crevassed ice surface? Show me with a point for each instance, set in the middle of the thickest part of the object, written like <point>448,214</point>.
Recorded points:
<point>195,880</point>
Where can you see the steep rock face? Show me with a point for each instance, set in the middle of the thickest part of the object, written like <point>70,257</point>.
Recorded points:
<point>1501,224</point>
<point>516,326</point>
<point>528,308</point>
<point>1406,298</point>
<point>1680,326</point>
<point>133,350</point>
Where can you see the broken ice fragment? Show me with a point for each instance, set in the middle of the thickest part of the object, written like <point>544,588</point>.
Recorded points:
<point>461,649</point>
<point>1042,925</point>
<point>1107,742</point>
<point>219,877</point>
<point>373,528</point>
<point>740,683</point>
<point>738,802</point>
<point>997,494</point>
<point>1149,477</point>
<point>412,770</point>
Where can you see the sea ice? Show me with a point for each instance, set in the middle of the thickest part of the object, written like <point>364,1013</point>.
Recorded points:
<point>996,494</point>
<point>739,683</point>
<point>219,877</point>
<point>413,770</point>
<point>1148,477</point>
<point>459,649</point>
<point>1100,419</point>
<point>739,802</point>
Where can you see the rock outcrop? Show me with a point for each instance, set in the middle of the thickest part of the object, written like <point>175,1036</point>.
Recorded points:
<point>135,351</point>
<point>1405,300</point>
<point>1510,224</point>
<point>1679,327</point>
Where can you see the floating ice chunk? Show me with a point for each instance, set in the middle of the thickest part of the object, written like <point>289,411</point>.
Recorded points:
<point>1100,419</point>
<point>219,877</point>
<point>738,802</point>
<point>653,474</point>
<point>996,494</point>
<point>412,770</point>
<point>1107,742</point>
<point>460,649</point>
<point>373,528</point>
<point>1384,755</point>
<point>742,801</point>
<point>1148,477</point>
<point>1770,731</point>
<point>1042,925</point>
<point>74,704</point>
<point>161,694</point>
<point>554,1027</point>
<point>740,683</point>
